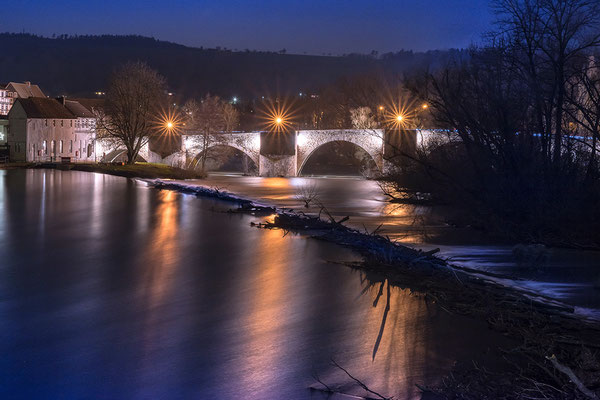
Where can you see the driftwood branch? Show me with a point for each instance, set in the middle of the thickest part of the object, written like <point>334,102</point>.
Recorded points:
<point>327,388</point>
<point>569,372</point>
<point>361,384</point>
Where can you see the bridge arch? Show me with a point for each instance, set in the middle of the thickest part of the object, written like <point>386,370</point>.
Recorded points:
<point>248,143</point>
<point>119,155</point>
<point>197,153</point>
<point>307,142</point>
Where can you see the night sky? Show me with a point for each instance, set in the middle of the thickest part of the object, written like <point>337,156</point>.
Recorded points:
<point>311,26</point>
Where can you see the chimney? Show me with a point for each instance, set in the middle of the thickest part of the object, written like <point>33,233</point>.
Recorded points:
<point>28,83</point>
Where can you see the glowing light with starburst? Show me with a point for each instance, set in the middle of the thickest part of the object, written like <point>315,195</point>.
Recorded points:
<point>399,115</point>
<point>277,116</point>
<point>168,123</point>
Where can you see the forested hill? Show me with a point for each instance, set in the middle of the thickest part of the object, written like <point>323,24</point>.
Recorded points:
<point>81,65</point>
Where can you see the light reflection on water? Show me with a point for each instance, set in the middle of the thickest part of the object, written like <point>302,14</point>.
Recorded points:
<point>130,292</point>
<point>569,275</point>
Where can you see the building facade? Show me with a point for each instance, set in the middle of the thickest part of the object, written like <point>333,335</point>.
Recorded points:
<point>85,130</point>
<point>6,100</point>
<point>13,90</point>
<point>43,129</point>
<point>3,130</point>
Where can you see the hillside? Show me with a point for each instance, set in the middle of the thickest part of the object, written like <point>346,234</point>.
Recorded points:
<point>79,66</point>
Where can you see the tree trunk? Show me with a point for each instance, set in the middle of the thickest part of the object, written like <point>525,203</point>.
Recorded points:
<point>131,155</point>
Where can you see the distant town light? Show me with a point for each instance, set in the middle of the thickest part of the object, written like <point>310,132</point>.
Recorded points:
<point>235,99</point>
<point>380,108</point>
<point>425,106</point>
<point>170,125</point>
<point>399,118</point>
<point>279,120</point>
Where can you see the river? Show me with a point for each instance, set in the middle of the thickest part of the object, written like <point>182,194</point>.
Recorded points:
<point>570,276</point>
<point>112,289</point>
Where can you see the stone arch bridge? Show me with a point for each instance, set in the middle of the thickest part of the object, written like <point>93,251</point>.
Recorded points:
<point>286,154</point>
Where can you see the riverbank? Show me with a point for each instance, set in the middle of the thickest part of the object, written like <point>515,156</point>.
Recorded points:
<point>557,356</point>
<point>137,170</point>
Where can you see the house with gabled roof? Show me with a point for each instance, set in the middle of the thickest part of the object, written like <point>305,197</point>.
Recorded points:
<point>11,91</point>
<point>44,129</point>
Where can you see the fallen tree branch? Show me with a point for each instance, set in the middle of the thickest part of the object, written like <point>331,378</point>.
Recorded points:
<point>569,372</point>
<point>362,385</point>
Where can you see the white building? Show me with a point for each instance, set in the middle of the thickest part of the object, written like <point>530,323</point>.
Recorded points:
<point>85,129</point>
<point>43,129</point>
<point>6,100</point>
<point>13,90</point>
<point>3,129</point>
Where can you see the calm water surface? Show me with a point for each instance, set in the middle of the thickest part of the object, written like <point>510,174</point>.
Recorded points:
<point>111,289</point>
<point>568,276</point>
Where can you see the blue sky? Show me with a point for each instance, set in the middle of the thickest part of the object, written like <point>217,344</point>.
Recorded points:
<point>312,26</point>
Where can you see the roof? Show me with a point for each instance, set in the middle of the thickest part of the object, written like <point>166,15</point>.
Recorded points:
<point>77,109</point>
<point>90,104</point>
<point>25,90</point>
<point>38,107</point>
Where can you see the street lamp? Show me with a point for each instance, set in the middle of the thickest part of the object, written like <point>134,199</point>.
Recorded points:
<point>168,122</point>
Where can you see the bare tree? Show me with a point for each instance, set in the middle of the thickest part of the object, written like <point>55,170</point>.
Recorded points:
<point>571,29</point>
<point>135,97</point>
<point>548,39</point>
<point>207,117</point>
<point>231,117</point>
<point>362,118</point>
<point>308,193</point>
<point>583,98</point>
<point>525,108</point>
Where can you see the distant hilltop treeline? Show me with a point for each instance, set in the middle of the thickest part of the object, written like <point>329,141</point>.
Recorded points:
<point>80,65</point>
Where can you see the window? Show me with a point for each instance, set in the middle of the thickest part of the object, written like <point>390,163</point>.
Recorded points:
<point>45,147</point>
<point>71,147</point>
<point>62,123</point>
<point>53,122</point>
<point>53,147</point>
<point>89,150</point>
<point>60,147</point>
<point>71,123</point>
<point>46,122</point>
